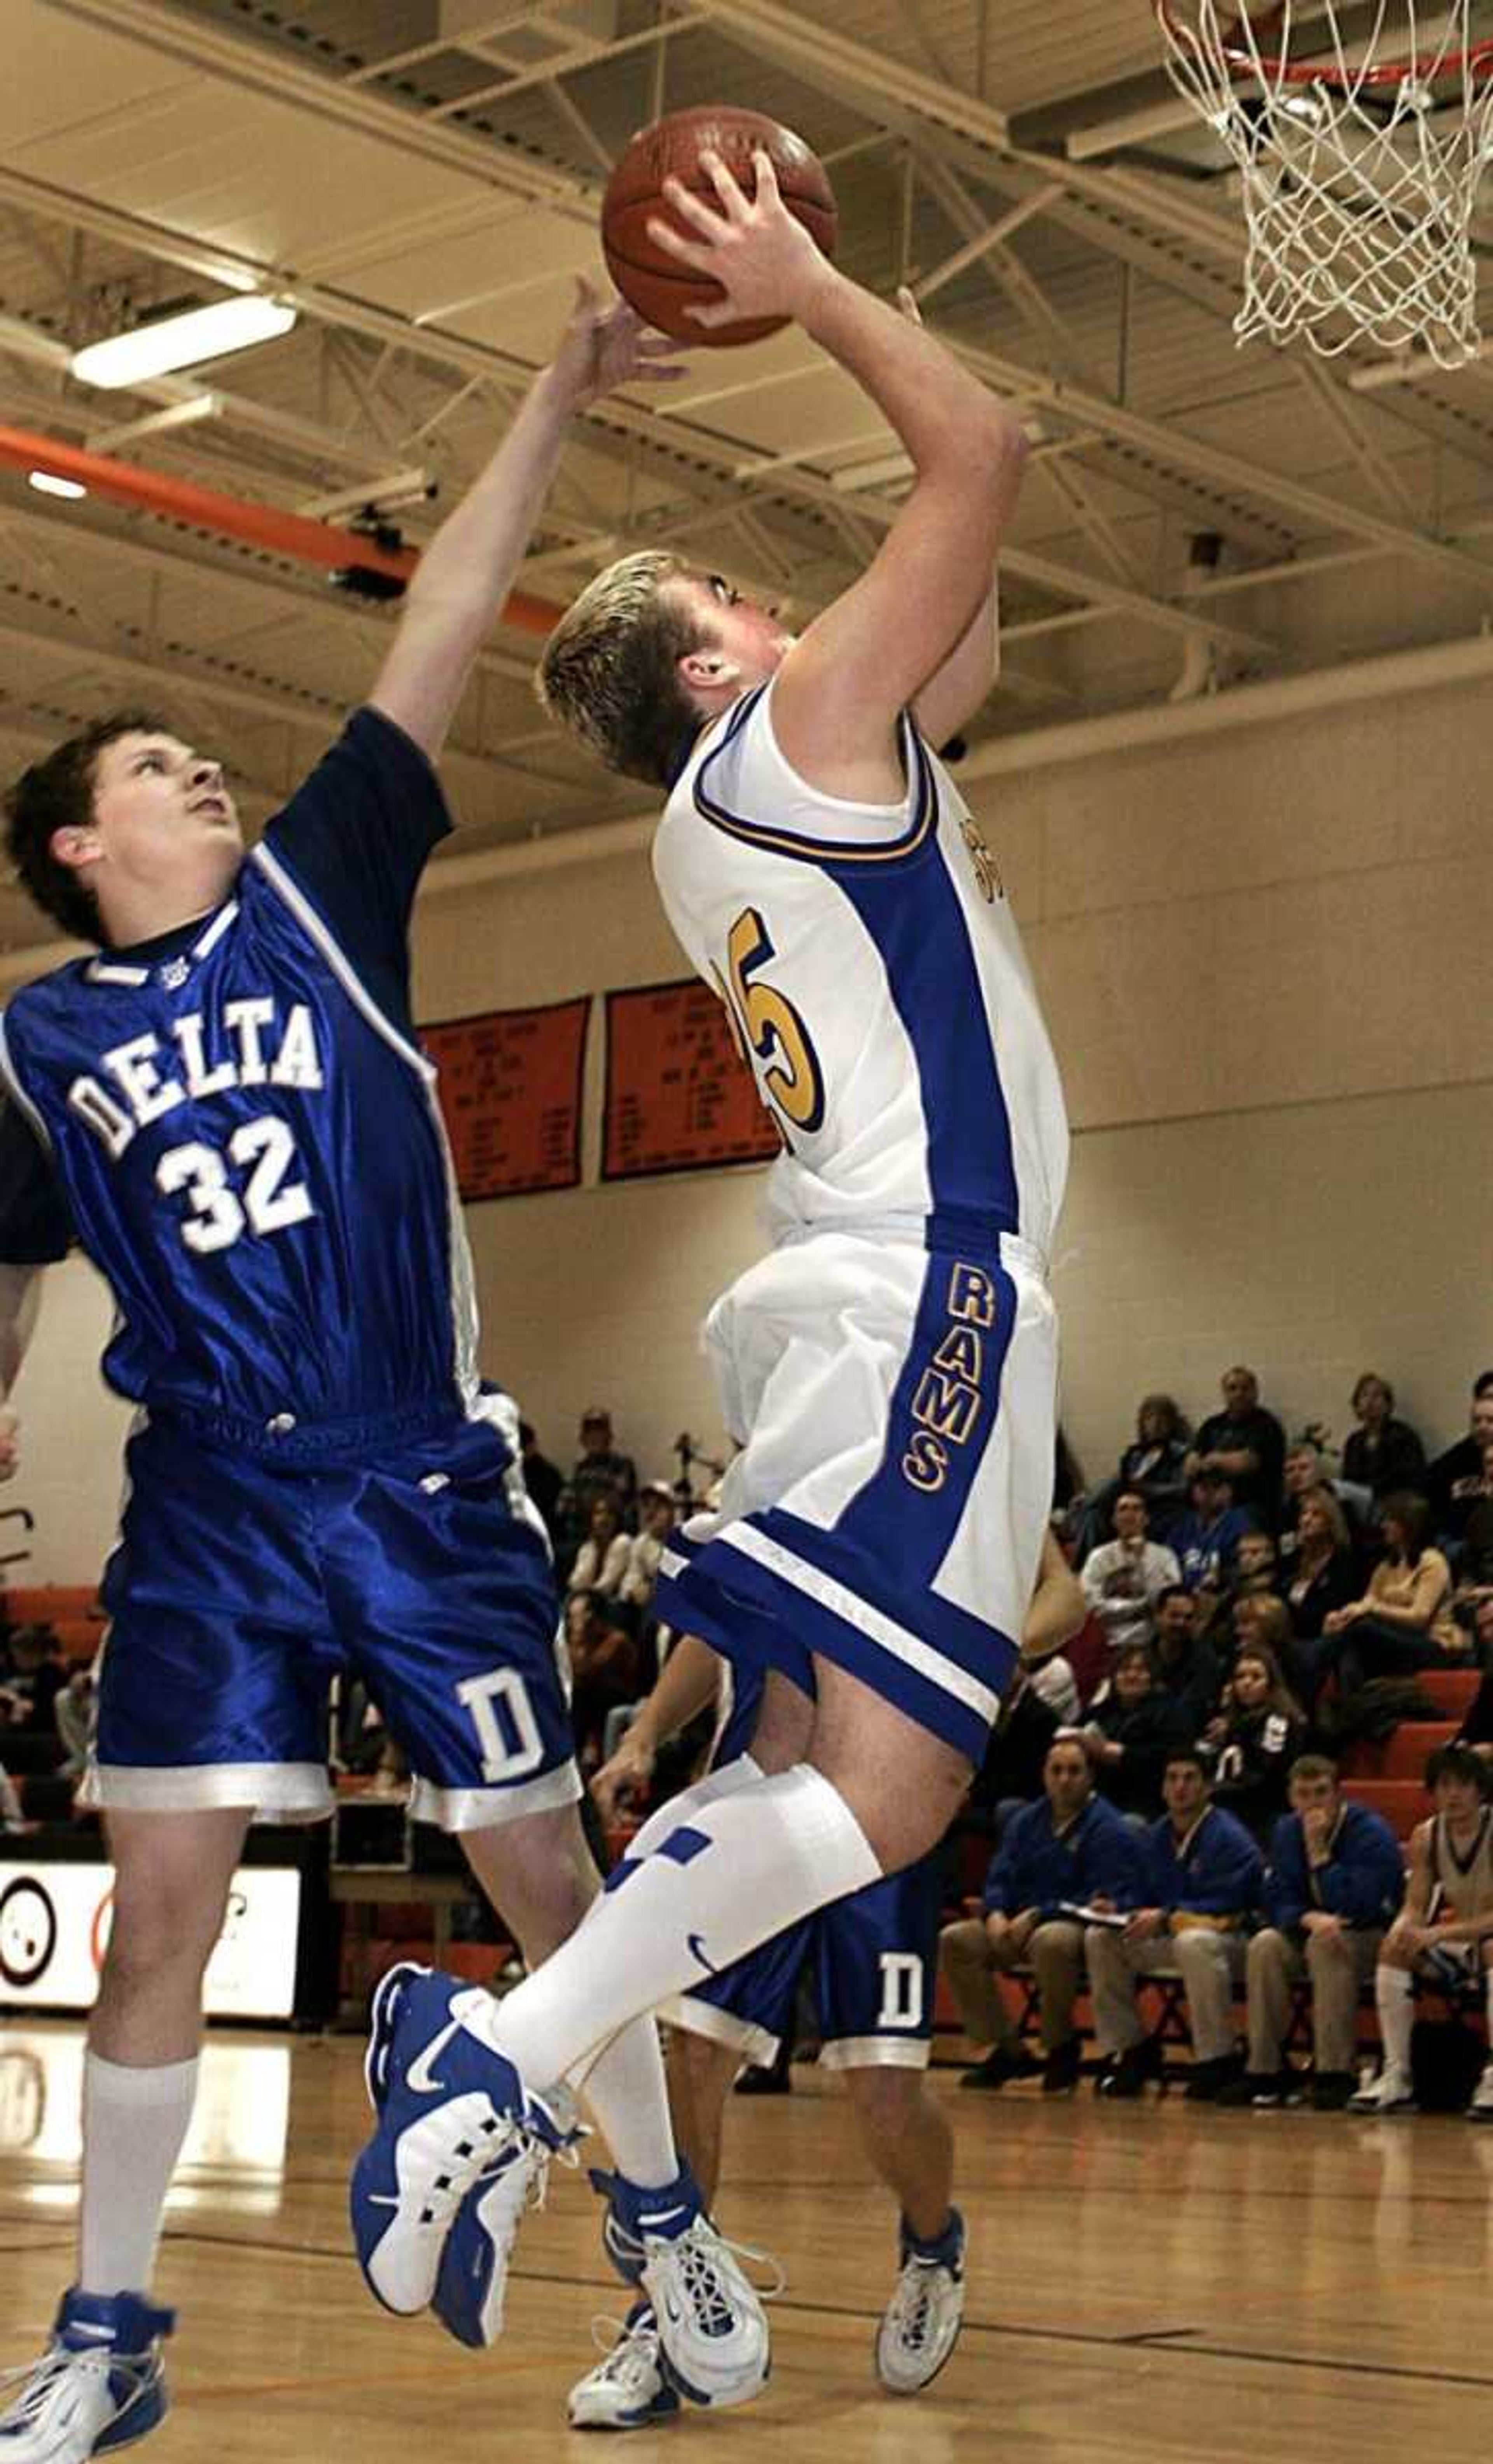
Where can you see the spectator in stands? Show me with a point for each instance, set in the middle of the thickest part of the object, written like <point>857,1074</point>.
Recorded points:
<point>1454,1478</point>
<point>1305,1468</point>
<point>645,1553</point>
<point>1153,1465</point>
<point>606,1554</point>
<point>543,1480</point>
<point>599,1471</point>
<point>1186,1661</point>
<point>1444,1930</point>
<point>1320,1580</point>
<point>1131,1726</point>
<point>10,1807</point>
<point>1255,1566</point>
<point>1332,1884</point>
<point>1067,1851</point>
<point>1203,1877</point>
<point>1477,1727</point>
<point>72,1711</point>
<point>603,1668</point>
<point>35,1679</point>
<point>1123,1579</point>
<point>1256,1738</point>
<point>1209,1532</point>
<point>1247,1443</point>
<point>1475,1565</point>
<point>1404,1621</point>
<point>1382,1454</point>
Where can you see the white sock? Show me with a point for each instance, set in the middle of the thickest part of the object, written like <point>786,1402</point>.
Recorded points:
<point>1395,1994</point>
<point>742,1868</point>
<point>689,1801</point>
<point>625,2089</point>
<point>134,2123</point>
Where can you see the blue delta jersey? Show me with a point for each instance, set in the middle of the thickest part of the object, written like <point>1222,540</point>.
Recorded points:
<point>238,1125</point>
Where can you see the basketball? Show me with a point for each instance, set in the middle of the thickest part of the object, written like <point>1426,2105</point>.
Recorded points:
<point>656,285</point>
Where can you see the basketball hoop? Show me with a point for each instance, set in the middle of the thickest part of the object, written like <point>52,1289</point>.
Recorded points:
<point>1360,163</point>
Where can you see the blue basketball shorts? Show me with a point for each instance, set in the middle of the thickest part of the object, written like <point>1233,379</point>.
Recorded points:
<point>896,1405</point>
<point>239,1587</point>
<point>875,1968</point>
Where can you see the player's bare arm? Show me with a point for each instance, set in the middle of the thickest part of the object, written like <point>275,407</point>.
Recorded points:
<point>468,570</point>
<point>839,690</point>
<point>686,1683</point>
<point>20,1291</point>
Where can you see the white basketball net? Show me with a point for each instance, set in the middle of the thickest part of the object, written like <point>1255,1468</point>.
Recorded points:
<point>1358,195</point>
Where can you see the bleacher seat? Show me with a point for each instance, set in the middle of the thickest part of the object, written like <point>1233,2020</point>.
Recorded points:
<point>1401,1755</point>
<point>1452,1689</point>
<point>1402,1802</point>
<point>51,1603</point>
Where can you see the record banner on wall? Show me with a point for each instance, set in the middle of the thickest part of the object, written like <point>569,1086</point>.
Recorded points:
<point>511,1087</point>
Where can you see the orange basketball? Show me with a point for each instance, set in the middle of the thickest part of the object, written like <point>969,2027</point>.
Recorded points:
<point>658,286</point>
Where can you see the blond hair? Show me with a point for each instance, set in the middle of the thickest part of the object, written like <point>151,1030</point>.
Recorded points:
<point>611,668</point>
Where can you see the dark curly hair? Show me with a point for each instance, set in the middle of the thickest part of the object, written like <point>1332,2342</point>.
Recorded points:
<point>57,794</point>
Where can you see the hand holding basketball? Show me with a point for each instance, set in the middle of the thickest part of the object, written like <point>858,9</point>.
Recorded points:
<point>763,261</point>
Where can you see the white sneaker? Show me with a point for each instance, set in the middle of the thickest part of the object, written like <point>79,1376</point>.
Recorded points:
<point>921,2324</point>
<point>99,2385</point>
<point>1392,2091</point>
<point>1481,2108</point>
<point>710,2316</point>
<point>627,2389</point>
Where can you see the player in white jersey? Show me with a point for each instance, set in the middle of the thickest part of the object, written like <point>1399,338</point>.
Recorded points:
<point>891,1361</point>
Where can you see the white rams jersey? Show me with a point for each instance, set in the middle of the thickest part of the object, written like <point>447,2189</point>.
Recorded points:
<point>875,979</point>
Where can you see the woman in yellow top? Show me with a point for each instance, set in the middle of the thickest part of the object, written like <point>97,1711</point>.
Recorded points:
<point>1404,1619</point>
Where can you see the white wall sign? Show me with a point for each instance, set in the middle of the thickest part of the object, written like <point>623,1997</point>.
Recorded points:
<point>54,1924</point>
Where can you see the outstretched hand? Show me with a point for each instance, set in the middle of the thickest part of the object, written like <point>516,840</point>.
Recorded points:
<point>766,263</point>
<point>606,345</point>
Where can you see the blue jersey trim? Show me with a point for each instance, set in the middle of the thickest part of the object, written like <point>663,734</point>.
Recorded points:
<point>811,850</point>
<point>934,979</point>
<point>950,1381</point>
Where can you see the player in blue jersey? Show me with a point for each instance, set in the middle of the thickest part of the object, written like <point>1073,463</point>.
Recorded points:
<point>874,1959</point>
<point>228,1108</point>
<point>892,1362</point>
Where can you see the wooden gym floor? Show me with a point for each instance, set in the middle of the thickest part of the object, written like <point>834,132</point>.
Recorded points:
<point>1146,2281</point>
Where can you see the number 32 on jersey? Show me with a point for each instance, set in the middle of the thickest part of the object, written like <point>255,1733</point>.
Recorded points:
<point>769,1028</point>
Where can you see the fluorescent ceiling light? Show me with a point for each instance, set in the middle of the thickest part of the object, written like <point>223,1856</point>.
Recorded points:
<point>48,484</point>
<point>182,341</point>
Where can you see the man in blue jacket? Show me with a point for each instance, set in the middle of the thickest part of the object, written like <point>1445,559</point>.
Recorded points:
<point>1067,1853</point>
<point>1335,1878</point>
<point>1203,1877</point>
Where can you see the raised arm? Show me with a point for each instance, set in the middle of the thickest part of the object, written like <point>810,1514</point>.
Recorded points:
<point>839,690</point>
<point>467,572</point>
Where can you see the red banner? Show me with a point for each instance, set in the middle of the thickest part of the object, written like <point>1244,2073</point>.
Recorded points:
<point>679,1097</point>
<point>510,1091</point>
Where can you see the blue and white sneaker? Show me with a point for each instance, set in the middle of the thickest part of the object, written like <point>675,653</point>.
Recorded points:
<point>628,2388</point>
<point>451,2111</point>
<point>473,2274</point>
<point>921,2324</point>
<point>99,2385</point>
<point>712,2331</point>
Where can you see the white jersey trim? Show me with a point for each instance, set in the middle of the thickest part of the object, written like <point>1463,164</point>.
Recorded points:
<point>478,1809</point>
<point>910,1649</point>
<point>875,2052</point>
<point>342,966</point>
<point>700,2018</point>
<point>269,1792</point>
